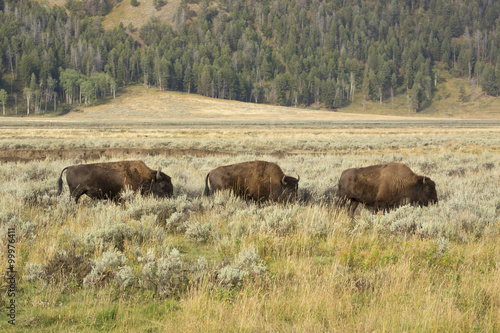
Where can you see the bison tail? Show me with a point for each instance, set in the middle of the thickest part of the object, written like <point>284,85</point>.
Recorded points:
<point>60,182</point>
<point>207,190</point>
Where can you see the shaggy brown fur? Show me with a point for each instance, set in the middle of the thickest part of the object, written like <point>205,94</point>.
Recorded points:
<point>256,180</point>
<point>385,186</point>
<point>108,180</point>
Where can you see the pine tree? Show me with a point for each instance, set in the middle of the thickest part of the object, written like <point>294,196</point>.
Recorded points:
<point>489,81</point>
<point>462,97</point>
<point>416,97</point>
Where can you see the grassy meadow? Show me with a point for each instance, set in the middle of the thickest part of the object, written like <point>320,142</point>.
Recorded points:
<point>196,264</point>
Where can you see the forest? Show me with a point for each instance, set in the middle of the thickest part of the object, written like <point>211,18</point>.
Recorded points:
<point>324,53</point>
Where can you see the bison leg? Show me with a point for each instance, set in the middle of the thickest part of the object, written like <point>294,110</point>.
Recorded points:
<point>352,207</point>
<point>340,201</point>
<point>77,193</point>
<point>379,207</point>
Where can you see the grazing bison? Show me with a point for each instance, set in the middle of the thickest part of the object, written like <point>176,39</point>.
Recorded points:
<point>107,180</point>
<point>384,186</point>
<point>256,180</point>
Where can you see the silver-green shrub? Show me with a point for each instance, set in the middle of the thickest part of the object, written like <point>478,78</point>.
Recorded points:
<point>106,267</point>
<point>100,237</point>
<point>199,232</point>
<point>165,274</point>
<point>33,272</point>
<point>125,277</point>
<point>199,269</point>
<point>442,245</point>
<point>231,276</point>
<point>246,264</point>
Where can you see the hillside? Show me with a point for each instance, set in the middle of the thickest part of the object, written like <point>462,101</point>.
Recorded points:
<point>123,12</point>
<point>432,58</point>
<point>138,16</point>
<point>139,102</point>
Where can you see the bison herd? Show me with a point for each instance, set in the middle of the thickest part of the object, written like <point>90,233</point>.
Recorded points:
<point>382,186</point>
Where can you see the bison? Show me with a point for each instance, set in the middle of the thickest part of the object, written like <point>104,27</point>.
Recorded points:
<point>108,180</point>
<point>255,180</point>
<point>384,186</point>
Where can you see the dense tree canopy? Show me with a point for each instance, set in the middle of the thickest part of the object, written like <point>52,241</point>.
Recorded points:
<point>287,52</point>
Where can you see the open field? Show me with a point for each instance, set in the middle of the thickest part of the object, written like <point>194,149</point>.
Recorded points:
<point>193,263</point>
<point>151,103</point>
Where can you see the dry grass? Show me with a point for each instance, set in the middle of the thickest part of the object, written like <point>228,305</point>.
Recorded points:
<point>445,103</point>
<point>138,102</point>
<point>126,14</point>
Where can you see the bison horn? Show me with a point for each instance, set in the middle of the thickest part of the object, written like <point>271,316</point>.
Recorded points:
<point>423,181</point>
<point>158,174</point>
<point>298,178</point>
<point>283,181</point>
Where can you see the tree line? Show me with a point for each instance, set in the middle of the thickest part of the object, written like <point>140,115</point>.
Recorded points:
<point>285,52</point>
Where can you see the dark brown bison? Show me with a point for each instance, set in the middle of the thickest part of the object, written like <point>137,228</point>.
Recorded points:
<point>108,180</point>
<point>385,186</point>
<point>256,180</point>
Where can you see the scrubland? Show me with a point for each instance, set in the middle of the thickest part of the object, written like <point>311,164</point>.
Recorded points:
<point>195,263</point>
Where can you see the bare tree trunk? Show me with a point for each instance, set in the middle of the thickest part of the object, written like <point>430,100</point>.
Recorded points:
<point>15,101</point>
<point>408,101</point>
<point>353,87</point>
<point>392,97</point>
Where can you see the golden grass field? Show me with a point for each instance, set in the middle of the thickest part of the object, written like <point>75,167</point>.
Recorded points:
<point>303,267</point>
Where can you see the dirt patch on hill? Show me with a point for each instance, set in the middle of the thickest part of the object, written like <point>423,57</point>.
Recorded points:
<point>25,155</point>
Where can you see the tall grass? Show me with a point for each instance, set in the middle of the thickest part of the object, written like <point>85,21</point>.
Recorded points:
<point>192,263</point>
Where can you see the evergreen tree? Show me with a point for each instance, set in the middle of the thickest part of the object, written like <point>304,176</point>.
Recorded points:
<point>489,81</point>
<point>282,89</point>
<point>462,94</point>
<point>416,97</point>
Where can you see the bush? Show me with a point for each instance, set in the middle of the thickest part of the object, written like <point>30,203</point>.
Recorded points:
<point>111,265</point>
<point>199,232</point>
<point>166,275</point>
<point>246,264</point>
<point>65,266</point>
<point>101,237</point>
<point>33,272</point>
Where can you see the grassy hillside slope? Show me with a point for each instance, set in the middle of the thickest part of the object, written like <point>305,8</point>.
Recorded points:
<point>446,103</point>
<point>126,14</point>
<point>149,103</point>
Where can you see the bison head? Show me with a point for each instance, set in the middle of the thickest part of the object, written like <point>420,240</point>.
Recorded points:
<point>161,184</point>
<point>289,188</point>
<point>426,191</point>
